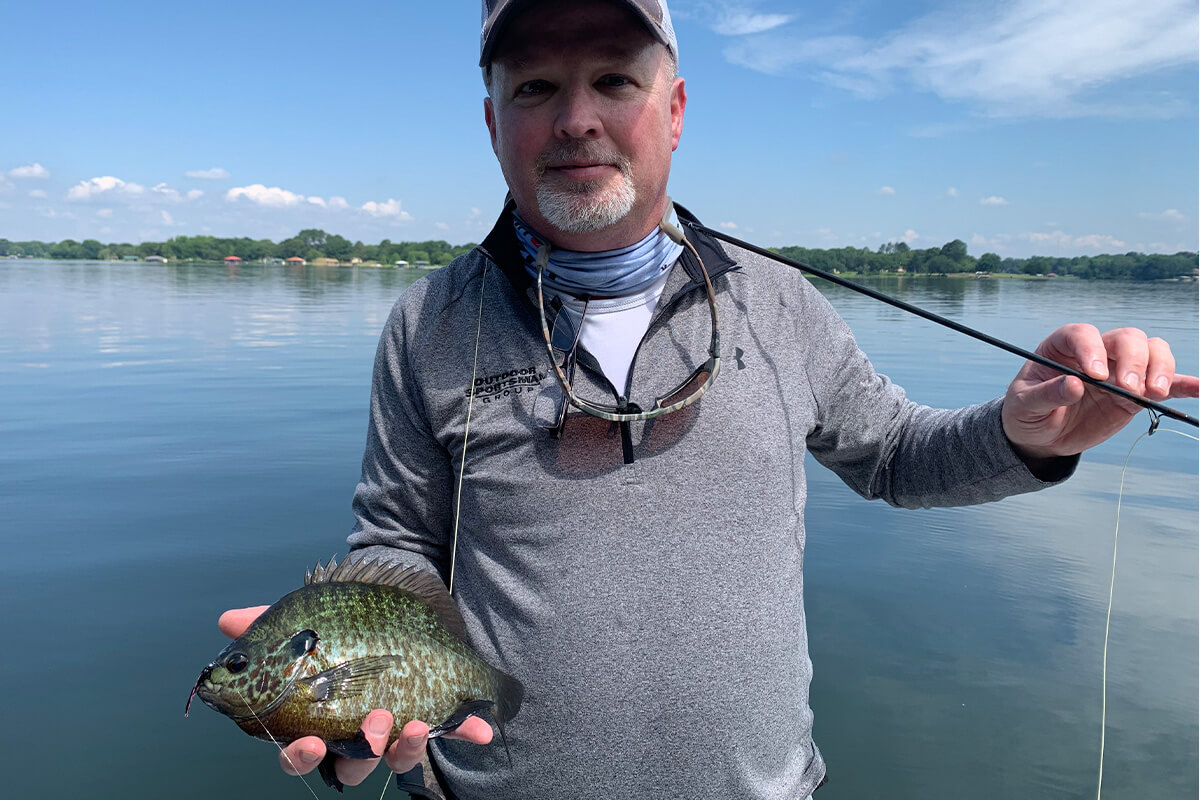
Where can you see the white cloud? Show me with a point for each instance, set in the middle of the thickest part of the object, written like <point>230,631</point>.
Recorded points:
<point>729,226</point>
<point>1095,241</point>
<point>993,200</point>
<point>978,240</point>
<point>391,208</point>
<point>165,193</point>
<point>214,174</point>
<point>1100,242</point>
<point>273,197</point>
<point>104,213</point>
<point>910,236</point>
<point>86,190</point>
<point>338,202</point>
<point>1013,58</point>
<point>39,193</point>
<point>194,193</point>
<point>1170,215</point>
<point>952,192</point>
<point>29,171</point>
<point>885,190</point>
<point>317,201</point>
<point>738,21</point>
<point>166,218</point>
<point>441,226</point>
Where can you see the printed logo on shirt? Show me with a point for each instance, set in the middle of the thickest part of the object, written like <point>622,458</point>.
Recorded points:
<point>514,381</point>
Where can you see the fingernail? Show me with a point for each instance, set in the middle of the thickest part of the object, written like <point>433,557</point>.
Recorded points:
<point>1161,383</point>
<point>416,741</point>
<point>309,757</point>
<point>1099,367</point>
<point>1131,380</point>
<point>379,726</point>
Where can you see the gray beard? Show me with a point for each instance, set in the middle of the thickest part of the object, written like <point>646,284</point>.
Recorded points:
<point>591,207</point>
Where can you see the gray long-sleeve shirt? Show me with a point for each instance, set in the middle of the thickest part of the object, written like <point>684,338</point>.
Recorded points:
<point>654,611</point>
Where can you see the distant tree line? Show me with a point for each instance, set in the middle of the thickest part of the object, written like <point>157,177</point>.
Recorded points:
<point>308,244</point>
<point>952,257</point>
<point>892,257</point>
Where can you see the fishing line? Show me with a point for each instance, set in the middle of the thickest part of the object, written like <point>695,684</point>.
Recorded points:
<point>291,763</point>
<point>1154,420</point>
<point>462,467</point>
<point>956,326</point>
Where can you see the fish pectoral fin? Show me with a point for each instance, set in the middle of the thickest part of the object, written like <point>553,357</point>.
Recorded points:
<point>465,709</point>
<point>349,679</point>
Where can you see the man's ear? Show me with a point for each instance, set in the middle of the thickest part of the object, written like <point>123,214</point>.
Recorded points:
<point>678,104</point>
<point>489,118</point>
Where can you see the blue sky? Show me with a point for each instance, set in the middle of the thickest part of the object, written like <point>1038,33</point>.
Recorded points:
<point>1057,127</point>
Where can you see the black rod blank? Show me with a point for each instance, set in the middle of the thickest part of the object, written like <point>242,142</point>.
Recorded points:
<point>1166,411</point>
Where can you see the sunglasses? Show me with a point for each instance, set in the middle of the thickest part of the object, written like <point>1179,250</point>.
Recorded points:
<point>683,395</point>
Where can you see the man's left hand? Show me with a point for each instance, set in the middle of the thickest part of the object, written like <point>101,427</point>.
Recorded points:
<point>1048,414</point>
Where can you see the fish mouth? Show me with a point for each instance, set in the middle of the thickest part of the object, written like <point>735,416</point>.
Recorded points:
<point>204,675</point>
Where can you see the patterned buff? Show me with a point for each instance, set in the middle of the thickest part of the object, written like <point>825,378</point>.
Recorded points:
<point>611,273</point>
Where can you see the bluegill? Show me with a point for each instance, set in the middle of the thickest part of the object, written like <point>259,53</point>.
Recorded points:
<point>358,636</point>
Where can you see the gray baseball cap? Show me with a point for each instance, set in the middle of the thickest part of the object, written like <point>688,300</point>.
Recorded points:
<point>498,13</point>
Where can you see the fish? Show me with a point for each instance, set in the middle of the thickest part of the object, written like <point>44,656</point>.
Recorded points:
<point>357,636</point>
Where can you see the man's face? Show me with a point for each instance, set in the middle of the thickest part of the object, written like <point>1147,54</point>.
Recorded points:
<point>583,117</point>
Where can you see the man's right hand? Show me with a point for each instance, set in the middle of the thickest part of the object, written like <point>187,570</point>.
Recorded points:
<point>303,755</point>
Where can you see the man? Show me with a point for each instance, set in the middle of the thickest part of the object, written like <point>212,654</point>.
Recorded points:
<point>637,562</point>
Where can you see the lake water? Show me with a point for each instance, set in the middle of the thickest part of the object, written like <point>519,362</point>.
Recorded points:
<point>179,440</point>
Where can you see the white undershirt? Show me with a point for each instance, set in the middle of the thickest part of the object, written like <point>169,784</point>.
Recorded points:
<point>614,326</point>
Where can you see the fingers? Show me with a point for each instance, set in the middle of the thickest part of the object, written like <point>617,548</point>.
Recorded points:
<point>376,727</point>
<point>1081,345</point>
<point>474,730</point>
<point>1038,400</point>
<point>302,756</point>
<point>233,623</point>
<point>1185,386</point>
<point>1129,357</point>
<point>1160,369</point>
<point>406,751</point>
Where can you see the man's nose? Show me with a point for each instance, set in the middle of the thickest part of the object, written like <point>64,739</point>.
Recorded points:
<point>578,115</point>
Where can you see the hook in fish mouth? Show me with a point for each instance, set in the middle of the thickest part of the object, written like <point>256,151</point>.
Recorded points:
<point>203,675</point>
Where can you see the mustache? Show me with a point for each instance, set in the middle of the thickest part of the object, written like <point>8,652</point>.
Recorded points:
<point>580,150</point>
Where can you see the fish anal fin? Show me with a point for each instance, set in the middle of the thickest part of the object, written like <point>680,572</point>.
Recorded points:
<point>325,768</point>
<point>465,709</point>
<point>350,678</point>
<point>357,748</point>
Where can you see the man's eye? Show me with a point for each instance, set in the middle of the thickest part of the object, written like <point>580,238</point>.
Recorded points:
<point>532,88</point>
<point>614,81</point>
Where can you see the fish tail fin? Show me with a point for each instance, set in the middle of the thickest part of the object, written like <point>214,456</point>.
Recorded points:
<point>509,694</point>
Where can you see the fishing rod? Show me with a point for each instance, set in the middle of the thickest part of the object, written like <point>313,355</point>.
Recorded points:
<point>1153,406</point>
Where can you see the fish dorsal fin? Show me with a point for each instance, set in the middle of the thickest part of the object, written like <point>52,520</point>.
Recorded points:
<point>424,586</point>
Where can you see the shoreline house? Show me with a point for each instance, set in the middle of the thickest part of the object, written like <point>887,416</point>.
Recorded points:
<point>294,261</point>
<point>325,262</point>
<point>155,260</point>
<point>232,260</point>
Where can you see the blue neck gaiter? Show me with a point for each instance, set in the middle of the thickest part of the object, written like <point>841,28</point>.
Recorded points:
<point>610,273</point>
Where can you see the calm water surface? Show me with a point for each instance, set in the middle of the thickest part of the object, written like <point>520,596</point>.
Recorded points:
<point>179,440</point>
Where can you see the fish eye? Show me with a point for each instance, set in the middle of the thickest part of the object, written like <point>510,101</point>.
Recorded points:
<point>236,663</point>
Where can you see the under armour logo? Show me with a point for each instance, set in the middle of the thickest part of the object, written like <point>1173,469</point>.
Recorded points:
<point>737,356</point>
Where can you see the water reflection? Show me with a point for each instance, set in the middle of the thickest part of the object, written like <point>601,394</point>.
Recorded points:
<point>180,439</point>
